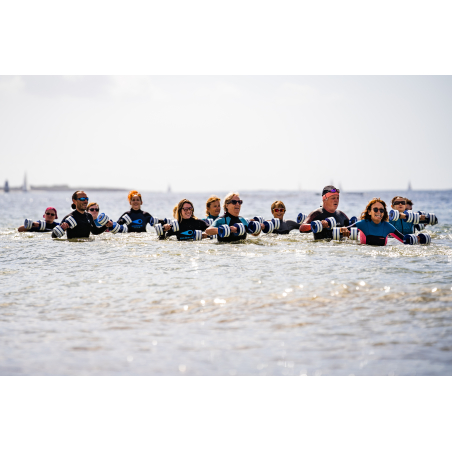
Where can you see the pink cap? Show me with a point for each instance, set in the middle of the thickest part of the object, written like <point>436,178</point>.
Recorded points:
<point>51,208</point>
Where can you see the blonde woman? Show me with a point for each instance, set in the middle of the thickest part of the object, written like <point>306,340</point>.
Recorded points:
<point>231,205</point>
<point>213,208</point>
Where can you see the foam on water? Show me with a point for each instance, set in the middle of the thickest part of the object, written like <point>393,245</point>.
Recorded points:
<point>129,304</point>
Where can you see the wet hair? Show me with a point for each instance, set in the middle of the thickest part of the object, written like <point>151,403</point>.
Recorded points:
<point>178,207</point>
<point>366,215</point>
<point>133,193</point>
<point>395,197</point>
<point>228,198</point>
<point>74,196</point>
<point>278,204</point>
<point>210,201</point>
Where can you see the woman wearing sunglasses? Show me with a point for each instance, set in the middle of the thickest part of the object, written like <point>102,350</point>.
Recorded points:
<point>139,217</point>
<point>184,214</point>
<point>93,209</point>
<point>231,205</point>
<point>374,227</point>
<point>278,210</point>
<point>83,219</point>
<point>401,204</point>
<point>49,216</point>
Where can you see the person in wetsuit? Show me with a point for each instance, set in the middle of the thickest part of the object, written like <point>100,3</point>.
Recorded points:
<point>213,208</point>
<point>184,213</point>
<point>401,204</point>
<point>374,227</point>
<point>139,217</point>
<point>49,215</point>
<point>278,210</point>
<point>85,221</point>
<point>330,198</point>
<point>231,205</point>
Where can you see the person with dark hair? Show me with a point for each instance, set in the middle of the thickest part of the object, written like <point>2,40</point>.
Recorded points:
<point>187,223</point>
<point>278,210</point>
<point>404,227</point>
<point>374,227</point>
<point>79,223</point>
<point>330,198</point>
<point>135,218</point>
<point>39,226</point>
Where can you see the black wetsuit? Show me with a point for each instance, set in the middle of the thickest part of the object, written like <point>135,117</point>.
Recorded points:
<point>85,225</point>
<point>139,220</point>
<point>186,229</point>
<point>49,227</point>
<point>286,227</point>
<point>230,220</point>
<point>322,214</point>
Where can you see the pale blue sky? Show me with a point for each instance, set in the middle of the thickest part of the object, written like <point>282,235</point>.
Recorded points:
<point>208,133</point>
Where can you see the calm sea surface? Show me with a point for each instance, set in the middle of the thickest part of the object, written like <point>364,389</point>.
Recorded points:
<point>129,304</point>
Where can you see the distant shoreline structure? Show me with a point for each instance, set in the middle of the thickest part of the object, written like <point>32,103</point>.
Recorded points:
<point>60,188</point>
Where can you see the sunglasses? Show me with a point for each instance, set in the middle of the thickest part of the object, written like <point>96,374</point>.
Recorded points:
<point>334,190</point>
<point>93,209</point>
<point>187,209</point>
<point>82,199</point>
<point>378,210</point>
<point>396,203</point>
<point>50,213</point>
<point>234,202</point>
<point>279,210</point>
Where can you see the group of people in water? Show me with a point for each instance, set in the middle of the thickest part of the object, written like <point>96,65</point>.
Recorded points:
<point>327,222</point>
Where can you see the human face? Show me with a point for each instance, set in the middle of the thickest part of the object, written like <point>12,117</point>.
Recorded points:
<point>278,212</point>
<point>49,216</point>
<point>400,207</point>
<point>81,205</point>
<point>186,211</point>
<point>376,217</point>
<point>331,203</point>
<point>234,209</point>
<point>93,212</point>
<point>136,202</point>
<point>215,209</point>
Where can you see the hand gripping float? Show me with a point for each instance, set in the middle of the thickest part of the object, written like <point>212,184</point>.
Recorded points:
<point>59,231</point>
<point>317,226</point>
<point>29,224</point>
<point>411,239</point>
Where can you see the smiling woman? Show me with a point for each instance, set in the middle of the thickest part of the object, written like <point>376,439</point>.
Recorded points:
<point>135,218</point>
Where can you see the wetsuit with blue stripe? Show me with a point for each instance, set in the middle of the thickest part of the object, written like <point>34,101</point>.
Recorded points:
<point>230,220</point>
<point>371,233</point>
<point>139,220</point>
<point>186,229</point>
<point>49,227</point>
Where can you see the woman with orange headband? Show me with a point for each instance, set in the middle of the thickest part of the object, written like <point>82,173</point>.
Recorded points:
<point>135,218</point>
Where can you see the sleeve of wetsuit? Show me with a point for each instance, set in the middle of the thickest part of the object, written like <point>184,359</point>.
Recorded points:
<point>53,232</point>
<point>121,220</point>
<point>202,226</point>
<point>94,229</point>
<point>397,235</point>
<point>311,217</point>
<point>292,225</point>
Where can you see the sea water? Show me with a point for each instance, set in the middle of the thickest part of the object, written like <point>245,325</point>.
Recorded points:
<point>129,304</point>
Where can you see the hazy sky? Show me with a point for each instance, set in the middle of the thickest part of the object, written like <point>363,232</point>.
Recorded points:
<point>210,133</point>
